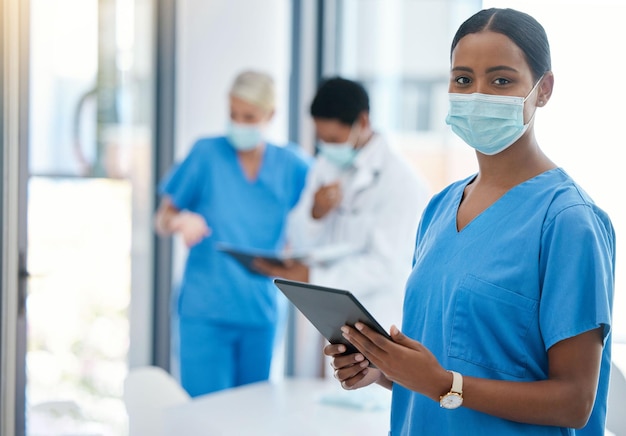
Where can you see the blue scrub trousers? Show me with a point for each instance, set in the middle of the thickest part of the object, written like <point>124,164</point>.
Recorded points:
<point>220,356</point>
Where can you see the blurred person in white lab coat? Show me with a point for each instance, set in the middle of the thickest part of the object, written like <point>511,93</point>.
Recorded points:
<point>359,211</point>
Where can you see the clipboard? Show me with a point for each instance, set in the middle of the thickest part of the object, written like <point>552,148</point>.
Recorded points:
<point>328,309</point>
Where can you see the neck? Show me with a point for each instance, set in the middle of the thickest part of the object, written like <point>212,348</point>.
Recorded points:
<point>365,137</point>
<point>253,153</point>
<point>521,161</point>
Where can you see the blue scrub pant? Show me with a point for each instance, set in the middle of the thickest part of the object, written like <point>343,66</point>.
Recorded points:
<point>220,356</point>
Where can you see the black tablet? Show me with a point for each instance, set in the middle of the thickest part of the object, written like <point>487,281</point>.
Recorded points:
<point>329,309</point>
<point>245,256</point>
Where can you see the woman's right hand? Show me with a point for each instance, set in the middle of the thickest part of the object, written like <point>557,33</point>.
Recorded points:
<point>352,370</point>
<point>191,226</point>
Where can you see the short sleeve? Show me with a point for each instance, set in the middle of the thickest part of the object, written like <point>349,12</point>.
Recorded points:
<point>181,183</point>
<point>577,266</point>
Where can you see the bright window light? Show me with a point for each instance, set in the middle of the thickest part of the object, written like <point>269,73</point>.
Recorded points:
<point>581,127</point>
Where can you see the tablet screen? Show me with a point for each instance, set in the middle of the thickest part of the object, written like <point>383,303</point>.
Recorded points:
<point>328,309</point>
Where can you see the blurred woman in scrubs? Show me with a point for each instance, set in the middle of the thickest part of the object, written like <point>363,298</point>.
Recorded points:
<point>507,313</point>
<point>236,189</point>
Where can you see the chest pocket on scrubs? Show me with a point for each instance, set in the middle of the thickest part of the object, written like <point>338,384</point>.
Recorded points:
<point>490,326</point>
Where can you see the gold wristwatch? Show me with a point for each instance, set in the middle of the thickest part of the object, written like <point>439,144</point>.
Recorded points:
<point>454,398</point>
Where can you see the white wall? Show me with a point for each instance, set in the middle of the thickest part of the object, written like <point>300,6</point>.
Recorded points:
<point>215,40</point>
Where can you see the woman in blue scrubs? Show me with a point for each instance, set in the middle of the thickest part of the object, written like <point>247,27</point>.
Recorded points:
<point>236,189</point>
<point>507,313</point>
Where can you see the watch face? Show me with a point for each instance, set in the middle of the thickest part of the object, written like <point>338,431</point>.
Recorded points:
<point>451,401</point>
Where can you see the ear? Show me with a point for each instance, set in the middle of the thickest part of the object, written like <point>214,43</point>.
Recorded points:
<point>364,119</point>
<point>545,89</point>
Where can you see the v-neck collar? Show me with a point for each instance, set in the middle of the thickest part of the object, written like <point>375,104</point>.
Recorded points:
<point>496,204</point>
<point>262,163</point>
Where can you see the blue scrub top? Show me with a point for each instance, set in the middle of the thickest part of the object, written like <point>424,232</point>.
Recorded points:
<point>534,268</point>
<point>211,182</point>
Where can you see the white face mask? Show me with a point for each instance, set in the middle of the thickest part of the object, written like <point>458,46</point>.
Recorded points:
<point>244,137</point>
<point>488,123</point>
<point>342,154</point>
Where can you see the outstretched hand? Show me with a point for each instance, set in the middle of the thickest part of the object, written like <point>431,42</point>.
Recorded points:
<point>191,226</point>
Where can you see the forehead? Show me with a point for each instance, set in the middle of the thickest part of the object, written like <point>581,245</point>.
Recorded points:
<point>483,50</point>
<point>242,106</point>
<point>331,130</point>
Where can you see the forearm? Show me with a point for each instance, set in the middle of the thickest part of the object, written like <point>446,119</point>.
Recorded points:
<point>549,402</point>
<point>165,218</point>
<point>565,399</point>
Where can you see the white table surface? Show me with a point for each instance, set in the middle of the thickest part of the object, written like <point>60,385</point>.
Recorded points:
<point>289,407</point>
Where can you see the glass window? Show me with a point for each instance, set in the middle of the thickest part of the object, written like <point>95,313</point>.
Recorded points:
<point>393,48</point>
<point>89,210</point>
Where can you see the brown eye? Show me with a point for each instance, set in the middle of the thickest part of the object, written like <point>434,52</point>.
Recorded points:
<point>462,80</point>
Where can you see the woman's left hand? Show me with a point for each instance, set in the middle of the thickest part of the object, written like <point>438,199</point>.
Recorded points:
<point>402,360</point>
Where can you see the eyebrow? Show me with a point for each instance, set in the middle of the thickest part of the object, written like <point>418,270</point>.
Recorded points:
<point>467,69</point>
<point>501,67</point>
<point>489,70</point>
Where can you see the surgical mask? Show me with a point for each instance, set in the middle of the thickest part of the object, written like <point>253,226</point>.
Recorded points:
<point>488,123</point>
<point>244,137</point>
<point>342,154</point>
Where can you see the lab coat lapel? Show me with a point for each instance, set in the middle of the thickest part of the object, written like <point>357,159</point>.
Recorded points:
<point>368,164</point>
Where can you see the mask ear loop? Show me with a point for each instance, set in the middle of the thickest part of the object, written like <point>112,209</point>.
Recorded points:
<point>534,87</point>
<point>540,103</point>
<point>352,129</point>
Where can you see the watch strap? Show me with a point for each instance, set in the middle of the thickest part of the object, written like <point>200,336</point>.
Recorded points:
<point>457,382</point>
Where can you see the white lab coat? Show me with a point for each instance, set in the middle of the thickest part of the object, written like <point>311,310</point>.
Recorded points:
<point>383,199</point>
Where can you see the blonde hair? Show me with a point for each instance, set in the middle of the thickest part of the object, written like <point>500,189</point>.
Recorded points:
<point>255,87</point>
